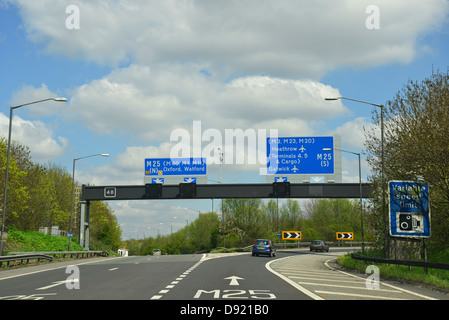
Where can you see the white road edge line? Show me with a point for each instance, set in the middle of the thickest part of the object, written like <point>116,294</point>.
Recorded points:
<point>55,268</point>
<point>291,282</point>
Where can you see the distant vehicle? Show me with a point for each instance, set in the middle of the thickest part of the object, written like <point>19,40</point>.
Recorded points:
<point>319,245</point>
<point>156,252</point>
<point>265,247</point>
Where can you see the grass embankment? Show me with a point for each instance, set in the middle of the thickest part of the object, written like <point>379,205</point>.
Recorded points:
<point>434,277</point>
<point>31,241</point>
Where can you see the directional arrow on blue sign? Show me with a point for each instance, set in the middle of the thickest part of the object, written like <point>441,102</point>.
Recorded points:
<point>300,155</point>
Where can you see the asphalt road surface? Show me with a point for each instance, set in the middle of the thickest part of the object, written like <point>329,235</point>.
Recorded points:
<point>198,279</point>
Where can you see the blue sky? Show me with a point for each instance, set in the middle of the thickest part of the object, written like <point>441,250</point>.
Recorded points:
<point>136,71</point>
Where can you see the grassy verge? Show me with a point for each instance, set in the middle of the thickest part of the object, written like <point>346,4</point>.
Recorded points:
<point>434,277</point>
<point>28,241</point>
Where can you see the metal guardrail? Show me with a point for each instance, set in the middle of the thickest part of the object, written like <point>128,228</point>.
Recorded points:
<point>47,255</point>
<point>330,243</point>
<point>22,258</point>
<point>410,263</point>
<point>304,244</point>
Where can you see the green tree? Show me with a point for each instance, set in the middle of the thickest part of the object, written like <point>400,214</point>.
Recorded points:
<point>104,224</point>
<point>416,123</point>
<point>245,218</point>
<point>291,216</point>
<point>328,216</point>
<point>17,192</point>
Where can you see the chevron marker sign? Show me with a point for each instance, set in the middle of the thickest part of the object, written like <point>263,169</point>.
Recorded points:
<point>345,235</point>
<point>291,235</point>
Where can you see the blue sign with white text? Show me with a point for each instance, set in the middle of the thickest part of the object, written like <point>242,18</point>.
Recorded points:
<point>409,209</point>
<point>175,166</point>
<point>300,155</point>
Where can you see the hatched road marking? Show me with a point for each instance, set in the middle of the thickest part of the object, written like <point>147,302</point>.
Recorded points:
<point>321,281</point>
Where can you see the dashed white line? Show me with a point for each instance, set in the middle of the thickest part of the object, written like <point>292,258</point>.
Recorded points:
<point>179,278</point>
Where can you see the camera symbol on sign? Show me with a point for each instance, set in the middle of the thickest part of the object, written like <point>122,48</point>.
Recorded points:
<point>412,223</point>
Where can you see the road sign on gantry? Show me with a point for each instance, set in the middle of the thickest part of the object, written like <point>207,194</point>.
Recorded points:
<point>175,166</point>
<point>300,155</point>
<point>175,170</point>
<point>291,235</point>
<point>409,209</point>
<point>345,235</point>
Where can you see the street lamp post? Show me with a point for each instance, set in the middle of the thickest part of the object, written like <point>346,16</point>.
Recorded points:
<point>381,106</point>
<point>7,161</point>
<point>73,190</point>
<point>360,184</point>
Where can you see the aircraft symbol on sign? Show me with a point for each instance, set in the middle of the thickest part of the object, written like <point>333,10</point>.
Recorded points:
<point>157,180</point>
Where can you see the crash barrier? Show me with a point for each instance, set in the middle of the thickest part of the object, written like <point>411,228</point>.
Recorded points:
<point>25,257</point>
<point>22,258</point>
<point>301,244</point>
<point>330,243</point>
<point>410,263</point>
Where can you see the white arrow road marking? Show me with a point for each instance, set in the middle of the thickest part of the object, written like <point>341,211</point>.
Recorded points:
<point>58,283</point>
<point>234,281</point>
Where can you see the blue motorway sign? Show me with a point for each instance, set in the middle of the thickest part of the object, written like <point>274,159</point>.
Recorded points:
<point>175,167</point>
<point>300,155</point>
<point>409,209</point>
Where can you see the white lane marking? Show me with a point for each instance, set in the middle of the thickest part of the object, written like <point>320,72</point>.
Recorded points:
<point>112,269</point>
<point>184,274</point>
<point>58,283</point>
<point>383,283</point>
<point>291,282</point>
<point>55,268</point>
<point>356,295</point>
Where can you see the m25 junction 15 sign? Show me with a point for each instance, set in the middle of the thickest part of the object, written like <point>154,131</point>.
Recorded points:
<point>300,155</point>
<point>409,209</point>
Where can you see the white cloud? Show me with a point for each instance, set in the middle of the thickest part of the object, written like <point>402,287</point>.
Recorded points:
<point>151,103</point>
<point>27,94</point>
<point>292,38</point>
<point>353,133</point>
<point>36,136</point>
